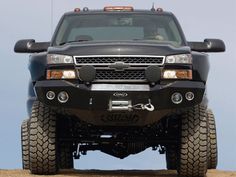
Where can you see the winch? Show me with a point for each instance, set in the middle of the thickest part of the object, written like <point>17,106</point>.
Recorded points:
<point>126,105</point>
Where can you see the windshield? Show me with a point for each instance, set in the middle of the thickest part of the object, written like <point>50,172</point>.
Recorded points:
<point>118,27</point>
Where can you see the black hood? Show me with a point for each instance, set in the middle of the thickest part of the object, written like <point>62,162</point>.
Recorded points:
<point>118,48</point>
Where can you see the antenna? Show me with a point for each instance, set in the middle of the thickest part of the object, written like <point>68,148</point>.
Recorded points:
<point>52,4</point>
<point>153,7</point>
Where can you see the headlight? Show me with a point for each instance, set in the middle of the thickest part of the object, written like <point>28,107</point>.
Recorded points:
<point>181,59</point>
<point>61,74</point>
<point>59,59</point>
<point>177,74</point>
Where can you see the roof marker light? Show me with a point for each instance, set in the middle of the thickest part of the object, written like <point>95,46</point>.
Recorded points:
<point>118,8</point>
<point>159,9</point>
<point>85,9</point>
<point>77,10</point>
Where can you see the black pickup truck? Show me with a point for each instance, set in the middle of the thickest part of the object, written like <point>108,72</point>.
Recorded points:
<point>119,80</point>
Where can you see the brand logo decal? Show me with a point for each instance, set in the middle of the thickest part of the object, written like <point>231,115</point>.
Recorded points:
<point>120,94</point>
<point>120,118</point>
<point>119,66</point>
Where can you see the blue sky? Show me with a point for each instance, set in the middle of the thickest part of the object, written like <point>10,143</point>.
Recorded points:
<point>32,19</point>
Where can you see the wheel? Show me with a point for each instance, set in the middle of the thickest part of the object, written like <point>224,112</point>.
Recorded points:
<point>172,149</point>
<point>193,143</point>
<point>42,140</point>
<point>66,156</point>
<point>25,144</point>
<point>212,141</point>
<point>66,160</point>
<point>171,157</point>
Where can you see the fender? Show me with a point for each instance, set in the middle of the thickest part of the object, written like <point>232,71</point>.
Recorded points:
<point>201,66</point>
<point>37,66</point>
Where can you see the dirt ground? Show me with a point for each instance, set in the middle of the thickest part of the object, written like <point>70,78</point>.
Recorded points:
<point>125,173</point>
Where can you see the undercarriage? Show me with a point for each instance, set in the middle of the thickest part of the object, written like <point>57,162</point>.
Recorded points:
<point>118,141</point>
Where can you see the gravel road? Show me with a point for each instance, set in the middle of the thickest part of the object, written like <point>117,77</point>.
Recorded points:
<point>121,173</point>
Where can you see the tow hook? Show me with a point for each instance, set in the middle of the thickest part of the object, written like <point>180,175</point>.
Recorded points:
<point>141,106</point>
<point>127,106</point>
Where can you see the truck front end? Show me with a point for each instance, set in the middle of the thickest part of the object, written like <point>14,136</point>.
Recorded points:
<point>119,81</point>
<point>121,67</point>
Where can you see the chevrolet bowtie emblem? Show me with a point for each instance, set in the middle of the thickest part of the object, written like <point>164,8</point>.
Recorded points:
<point>119,66</point>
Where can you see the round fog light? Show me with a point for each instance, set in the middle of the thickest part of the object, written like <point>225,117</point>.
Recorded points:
<point>50,95</point>
<point>177,98</point>
<point>189,96</point>
<point>63,97</point>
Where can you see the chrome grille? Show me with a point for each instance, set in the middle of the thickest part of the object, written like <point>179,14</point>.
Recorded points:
<point>106,70</point>
<point>129,59</point>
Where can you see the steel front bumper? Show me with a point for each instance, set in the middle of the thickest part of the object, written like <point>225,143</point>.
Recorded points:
<point>98,96</point>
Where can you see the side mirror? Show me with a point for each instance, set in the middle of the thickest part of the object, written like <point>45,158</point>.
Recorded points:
<point>209,45</point>
<point>30,46</point>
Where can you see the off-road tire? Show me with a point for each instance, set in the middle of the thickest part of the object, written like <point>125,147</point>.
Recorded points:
<point>25,144</point>
<point>66,156</point>
<point>212,141</point>
<point>171,157</point>
<point>42,140</point>
<point>65,149</point>
<point>193,143</point>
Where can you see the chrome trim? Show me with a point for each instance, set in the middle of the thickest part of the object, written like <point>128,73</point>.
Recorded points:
<point>120,81</point>
<point>119,56</point>
<point>120,87</point>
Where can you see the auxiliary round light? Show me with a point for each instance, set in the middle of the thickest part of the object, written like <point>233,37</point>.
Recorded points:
<point>63,97</point>
<point>177,98</point>
<point>189,96</point>
<point>50,95</point>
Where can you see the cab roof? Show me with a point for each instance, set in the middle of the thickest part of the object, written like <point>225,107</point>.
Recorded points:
<point>85,10</point>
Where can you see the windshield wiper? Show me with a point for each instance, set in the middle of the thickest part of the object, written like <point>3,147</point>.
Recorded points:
<point>67,42</point>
